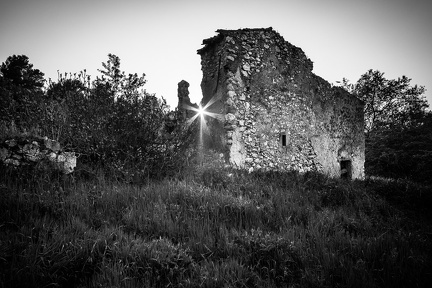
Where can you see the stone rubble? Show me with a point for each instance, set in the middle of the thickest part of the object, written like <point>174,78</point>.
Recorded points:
<point>36,151</point>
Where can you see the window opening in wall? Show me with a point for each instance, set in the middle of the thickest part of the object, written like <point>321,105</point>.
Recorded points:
<point>345,166</point>
<point>284,139</point>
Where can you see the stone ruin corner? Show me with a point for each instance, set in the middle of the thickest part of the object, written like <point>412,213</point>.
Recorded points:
<point>276,113</point>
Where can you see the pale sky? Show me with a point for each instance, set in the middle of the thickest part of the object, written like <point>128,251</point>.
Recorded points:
<point>344,38</point>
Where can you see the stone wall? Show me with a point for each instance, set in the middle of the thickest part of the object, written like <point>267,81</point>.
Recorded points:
<point>36,151</point>
<point>278,114</point>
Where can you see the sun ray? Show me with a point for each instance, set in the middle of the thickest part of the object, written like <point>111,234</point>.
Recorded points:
<point>201,113</point>
<point>217,116</point>
<point>204,126</point>
<point>211,101</point>
<point>191,120</point>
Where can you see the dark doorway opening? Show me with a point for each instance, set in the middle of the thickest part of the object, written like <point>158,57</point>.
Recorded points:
<point>345,169</point>
<point>284,140</point>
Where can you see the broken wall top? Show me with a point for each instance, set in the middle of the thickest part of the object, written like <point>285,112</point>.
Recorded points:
<point>293,63</point>
<point>261,37</point>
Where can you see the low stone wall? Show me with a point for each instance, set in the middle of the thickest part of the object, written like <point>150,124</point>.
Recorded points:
<point>36,151</point>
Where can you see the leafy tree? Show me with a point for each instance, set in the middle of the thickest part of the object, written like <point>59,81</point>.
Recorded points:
<point>65,109</point>
<point>140,143</point>
<point>18,71</point>
<point>20,91</point>
<point>388,103</point>
<point>117,105</point>
<point>74,88</point>
<point>119,84</point>
<point>113,122</point>
<point>398,126</point>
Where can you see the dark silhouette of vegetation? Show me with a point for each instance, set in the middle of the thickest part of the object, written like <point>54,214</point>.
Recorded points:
<point>398,126</point>
<point>111,122</point>
<point>20,91</point>
<point>402,152</point>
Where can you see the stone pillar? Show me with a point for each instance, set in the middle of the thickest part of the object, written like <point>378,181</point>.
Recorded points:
<point>184,101</point>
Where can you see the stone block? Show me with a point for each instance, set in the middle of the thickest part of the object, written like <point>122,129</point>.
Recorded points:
<point>52,145</point>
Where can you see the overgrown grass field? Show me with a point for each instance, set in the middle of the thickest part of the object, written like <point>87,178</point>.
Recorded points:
<point>213,228</point>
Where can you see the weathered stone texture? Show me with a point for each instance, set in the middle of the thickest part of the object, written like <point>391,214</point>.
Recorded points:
<point>184,101</point>
<point>37,151</point>
<point>278,114</point>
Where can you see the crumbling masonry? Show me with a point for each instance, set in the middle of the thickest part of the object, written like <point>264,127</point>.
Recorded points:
<point>278,114</point>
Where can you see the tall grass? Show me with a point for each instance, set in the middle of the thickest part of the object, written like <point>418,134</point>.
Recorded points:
<point>213,228</point>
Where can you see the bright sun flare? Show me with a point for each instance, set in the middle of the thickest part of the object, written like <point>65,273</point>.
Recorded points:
<point>201,111</point>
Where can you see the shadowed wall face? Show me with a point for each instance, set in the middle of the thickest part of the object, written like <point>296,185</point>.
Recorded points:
<point>278,114</point>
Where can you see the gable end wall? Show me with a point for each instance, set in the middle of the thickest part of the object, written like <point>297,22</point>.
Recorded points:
<point>264,88</point>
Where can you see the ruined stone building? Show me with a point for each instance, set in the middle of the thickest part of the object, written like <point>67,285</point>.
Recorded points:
<point>277,114</point>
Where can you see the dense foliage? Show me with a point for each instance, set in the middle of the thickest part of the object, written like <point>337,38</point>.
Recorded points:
<point>403,152</point>
<point>20,91</point>
<point>398,126</point>
<point>111,122</point>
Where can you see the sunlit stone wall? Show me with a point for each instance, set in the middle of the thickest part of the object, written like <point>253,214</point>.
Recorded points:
<point>278,114</point>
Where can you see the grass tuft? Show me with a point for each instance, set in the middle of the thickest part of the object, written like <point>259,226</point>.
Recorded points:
<point>213,228</point>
